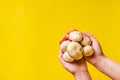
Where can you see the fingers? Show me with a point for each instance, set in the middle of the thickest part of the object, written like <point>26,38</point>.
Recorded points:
<point>81,61</point>
<point>93,39</point>
<point>66,37</point>
<point>60,57</point>
<point>95,44</point>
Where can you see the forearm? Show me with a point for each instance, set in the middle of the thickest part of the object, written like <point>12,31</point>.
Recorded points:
<point>108,67</point>
<point>82,76</point>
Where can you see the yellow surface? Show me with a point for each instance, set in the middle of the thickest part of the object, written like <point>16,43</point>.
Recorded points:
<point>31,29</point>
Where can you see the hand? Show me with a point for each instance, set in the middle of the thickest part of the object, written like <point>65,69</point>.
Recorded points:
<point>98,54</point>
<point>77,68</point>
<point>101,62</point>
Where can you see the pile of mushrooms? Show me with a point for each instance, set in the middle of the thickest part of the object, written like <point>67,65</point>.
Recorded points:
<point>76,47</point>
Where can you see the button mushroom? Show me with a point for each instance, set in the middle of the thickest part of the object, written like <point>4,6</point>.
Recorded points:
<point>88,50</point>
<point>85,41</point>
<point>63,45</point>
<point>75,36</point>
<point>67,57</point>
<point>75,50</point>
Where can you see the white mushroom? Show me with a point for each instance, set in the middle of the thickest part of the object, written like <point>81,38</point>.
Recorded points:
<point>75,36</point>
<point>79,57</point>
<point>63,45</point>
<point>75,50</point>
<point>67,58</point>
<point>86,41</point>
<point>88,50</point>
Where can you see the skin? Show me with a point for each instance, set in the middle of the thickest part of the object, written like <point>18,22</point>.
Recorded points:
<point>77,68</point>
<point>101,62</point>
<point>98,59</point>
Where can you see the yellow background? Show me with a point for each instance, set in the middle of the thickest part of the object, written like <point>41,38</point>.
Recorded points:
<point>30,31</point>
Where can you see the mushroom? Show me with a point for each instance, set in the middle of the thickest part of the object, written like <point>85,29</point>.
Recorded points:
<point>63,45</point>
<point>76,46</point>
<point>75,50</point>
<point>86,41</point>
<point>79,57</point>
<point>75,36</point>
<point>67,57</point>
<point>88,50</point>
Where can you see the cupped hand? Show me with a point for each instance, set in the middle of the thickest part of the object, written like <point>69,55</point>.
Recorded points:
<point>97,49</point>
<point>75,66</point>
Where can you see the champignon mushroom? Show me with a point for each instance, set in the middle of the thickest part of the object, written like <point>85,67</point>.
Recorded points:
<point>67,57</point>
<point>85,41</point>
<point>88,50</point>
<point>63,45</point>
<point>75,50</point>
<point>75,36</point>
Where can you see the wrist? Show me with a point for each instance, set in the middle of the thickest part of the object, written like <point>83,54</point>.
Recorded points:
<point>95,59</point>
<point>82,76</point>
<point>100,62</point>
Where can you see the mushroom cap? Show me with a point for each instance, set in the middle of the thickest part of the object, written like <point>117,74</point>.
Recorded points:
<point>85,41</point>
<point>67,58</point>
<point>63,45</point>
<point>75,36</point>
<point>88,50</point>
<point>79,57</point>
<point>75,50</point>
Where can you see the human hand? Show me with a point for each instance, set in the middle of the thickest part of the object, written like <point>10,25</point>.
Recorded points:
<point>101,62</point>
<point>98,54</point>
<point>77,68</point>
